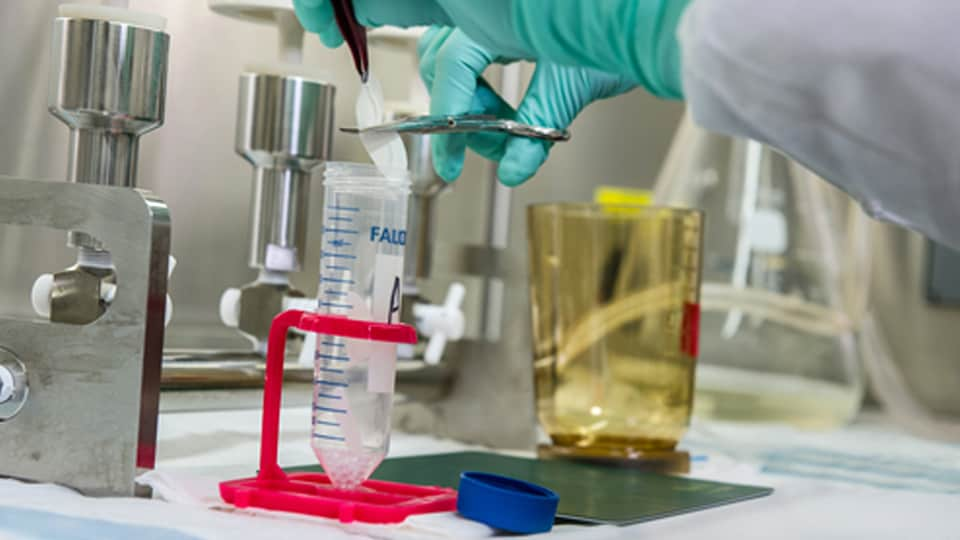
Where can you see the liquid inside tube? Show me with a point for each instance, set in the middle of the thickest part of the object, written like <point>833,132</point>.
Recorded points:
<point>351,425</point>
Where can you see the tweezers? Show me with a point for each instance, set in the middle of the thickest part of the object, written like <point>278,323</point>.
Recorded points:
<point>354,34</point>
<point>468,123</point>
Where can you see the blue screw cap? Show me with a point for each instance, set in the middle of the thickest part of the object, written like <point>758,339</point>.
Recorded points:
<point>506,503</point>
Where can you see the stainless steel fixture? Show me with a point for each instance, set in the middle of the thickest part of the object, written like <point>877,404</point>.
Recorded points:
<point>425,187</point>
<point>107,84</point>
<point>284,129</point>
<point>84,409</point>
<point>79,392</point>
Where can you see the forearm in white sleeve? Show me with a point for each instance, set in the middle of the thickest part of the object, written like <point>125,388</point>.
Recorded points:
<point>866,94</point>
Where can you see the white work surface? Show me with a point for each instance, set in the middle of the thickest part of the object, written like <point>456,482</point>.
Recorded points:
<point>866,481</point>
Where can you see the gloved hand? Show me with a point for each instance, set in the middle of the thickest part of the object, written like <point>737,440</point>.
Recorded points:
<point>451,65</point>
<point>317,15</point>
<point>634,38</point>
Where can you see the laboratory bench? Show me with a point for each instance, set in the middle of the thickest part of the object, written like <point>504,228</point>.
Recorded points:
<point>867,480</point>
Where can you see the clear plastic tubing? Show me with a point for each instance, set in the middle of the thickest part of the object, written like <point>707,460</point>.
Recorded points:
<point>361,271</point>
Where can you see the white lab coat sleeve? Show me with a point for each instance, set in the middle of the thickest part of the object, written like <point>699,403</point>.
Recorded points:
<point>866,93</point>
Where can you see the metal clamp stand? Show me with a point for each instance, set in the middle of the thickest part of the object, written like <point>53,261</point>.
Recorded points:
<point>284,127</point>
<point>90,418</point>
<point>79,393</point>
<point>285,130</point>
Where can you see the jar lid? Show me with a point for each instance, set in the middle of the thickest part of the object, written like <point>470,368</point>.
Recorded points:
<point>506,503</point>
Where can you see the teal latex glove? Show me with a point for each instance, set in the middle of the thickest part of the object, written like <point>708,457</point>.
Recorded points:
<point>451,64</point>
<point>317,16</point>
<point>633,38</point>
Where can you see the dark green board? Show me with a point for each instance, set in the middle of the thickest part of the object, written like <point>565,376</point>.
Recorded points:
<point>588,493</point>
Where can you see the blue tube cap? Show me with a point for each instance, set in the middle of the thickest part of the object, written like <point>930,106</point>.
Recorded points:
<point>506,503</point>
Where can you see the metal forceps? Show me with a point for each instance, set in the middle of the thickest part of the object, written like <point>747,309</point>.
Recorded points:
<point>467,123</point>
<point>354,34</point>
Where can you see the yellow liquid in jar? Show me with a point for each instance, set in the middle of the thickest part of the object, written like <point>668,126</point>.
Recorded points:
<point>630,404</point>
<point>614,294</point>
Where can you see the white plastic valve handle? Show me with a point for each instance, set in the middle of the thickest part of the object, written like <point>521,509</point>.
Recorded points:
<point>441,323</point>
<point>168,311</point>
<point>6,384</point>
<point>230,307</point>
<point>40,295</point>
<point>435,348</point>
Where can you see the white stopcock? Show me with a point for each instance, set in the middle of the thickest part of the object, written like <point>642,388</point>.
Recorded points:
<point>7,383</point>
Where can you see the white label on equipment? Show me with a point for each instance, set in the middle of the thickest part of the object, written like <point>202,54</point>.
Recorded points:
<point>386,288</point>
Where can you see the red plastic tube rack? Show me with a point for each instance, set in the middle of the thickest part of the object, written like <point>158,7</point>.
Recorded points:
<point>312,493</point>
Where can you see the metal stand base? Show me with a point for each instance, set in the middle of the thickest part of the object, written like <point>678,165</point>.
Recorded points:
<point>89,420</point>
